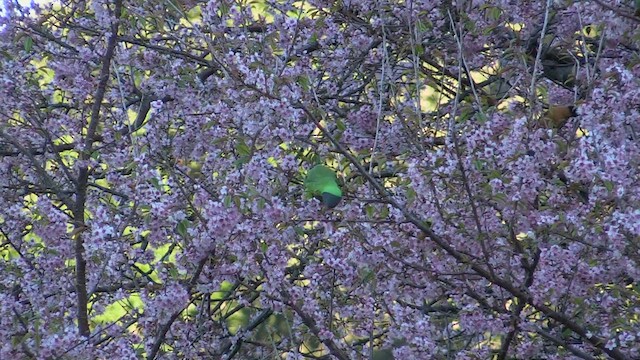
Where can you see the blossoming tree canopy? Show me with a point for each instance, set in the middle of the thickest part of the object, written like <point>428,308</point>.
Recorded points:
<point>153,157</point>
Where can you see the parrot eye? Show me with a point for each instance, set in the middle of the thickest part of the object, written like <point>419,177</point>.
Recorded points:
<point>330,200</point>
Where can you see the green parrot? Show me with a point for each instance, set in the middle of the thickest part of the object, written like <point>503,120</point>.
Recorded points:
<point>321,182</point>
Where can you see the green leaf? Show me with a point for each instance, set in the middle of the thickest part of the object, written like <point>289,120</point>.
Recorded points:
<point>384,212</point>
<point>242,148</point>
<point>28,43</point>
<point>182,228</point>
<point>494,13</point>
<point>367,275</point>
<point>304,82</point>
<point>227,200</point>
<point>369,210</point>
<point>609,185</point>
<point>494,174</point>
<point>411,196</point>
<point>421,26</point>
<point>155,182</point>
<point>241,161</point>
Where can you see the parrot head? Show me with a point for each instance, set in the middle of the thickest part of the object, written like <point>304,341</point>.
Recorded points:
<point>331,200</point>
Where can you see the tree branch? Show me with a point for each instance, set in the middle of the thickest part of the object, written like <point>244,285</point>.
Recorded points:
<point>83,176</point>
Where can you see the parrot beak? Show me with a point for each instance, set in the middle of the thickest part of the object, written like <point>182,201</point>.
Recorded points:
<point>330,200</point>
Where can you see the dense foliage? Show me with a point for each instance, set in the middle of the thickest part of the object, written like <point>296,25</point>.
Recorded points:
<point>152,155</point>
